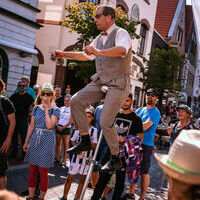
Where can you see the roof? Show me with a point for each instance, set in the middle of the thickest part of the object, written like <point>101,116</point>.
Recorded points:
<point>164,15</point>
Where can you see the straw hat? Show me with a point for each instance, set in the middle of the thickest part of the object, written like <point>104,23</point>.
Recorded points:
<point>182,162</point>
<point>47,86</point>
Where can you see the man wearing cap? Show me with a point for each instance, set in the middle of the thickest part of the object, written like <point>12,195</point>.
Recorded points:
<point>150,117</point>
<point>113,54</point>
<point>182,166</point>
<point>183,114</point>
<point>28,89</point>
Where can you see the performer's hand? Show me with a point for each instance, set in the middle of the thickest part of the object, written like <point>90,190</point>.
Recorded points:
<point>91,50</point>
<point>59,54</point>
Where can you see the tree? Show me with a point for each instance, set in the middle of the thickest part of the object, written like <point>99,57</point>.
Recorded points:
<point>163,71</point>
<point>80,19</point>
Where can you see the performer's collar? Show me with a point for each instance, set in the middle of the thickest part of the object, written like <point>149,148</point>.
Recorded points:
<point>110,29</point>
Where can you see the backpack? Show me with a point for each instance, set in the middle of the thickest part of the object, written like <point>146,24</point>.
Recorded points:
<point>2,112</point>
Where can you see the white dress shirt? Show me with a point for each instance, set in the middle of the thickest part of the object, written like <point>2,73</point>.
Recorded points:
<point>122,39</point>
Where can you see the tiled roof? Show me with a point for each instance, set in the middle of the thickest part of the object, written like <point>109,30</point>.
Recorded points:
<point>164,15</point>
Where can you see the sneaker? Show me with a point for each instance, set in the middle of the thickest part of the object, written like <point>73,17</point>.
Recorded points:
<point>112,165</point>
<point>63,198</point>
<point>83,146</point>
<point>128,196</point>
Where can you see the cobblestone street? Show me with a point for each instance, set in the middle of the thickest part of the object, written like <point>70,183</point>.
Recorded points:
<point>18,180</point>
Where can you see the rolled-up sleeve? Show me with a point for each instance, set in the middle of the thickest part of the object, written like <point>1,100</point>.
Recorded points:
<point>123,39</point>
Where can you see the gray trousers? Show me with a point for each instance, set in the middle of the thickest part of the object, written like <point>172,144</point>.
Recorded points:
<point>114,99</point>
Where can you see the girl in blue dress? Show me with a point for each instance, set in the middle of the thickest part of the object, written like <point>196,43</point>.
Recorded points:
<point>40,140</point>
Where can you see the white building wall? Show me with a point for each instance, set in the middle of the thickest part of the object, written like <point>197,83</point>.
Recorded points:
<point>22,35</point>
<point>147,12</point>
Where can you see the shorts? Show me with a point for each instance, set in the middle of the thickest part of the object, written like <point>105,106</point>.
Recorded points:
<point>67,131</point>
<point>76,168</point>
<point>3,164</point>
<point>147,152</point>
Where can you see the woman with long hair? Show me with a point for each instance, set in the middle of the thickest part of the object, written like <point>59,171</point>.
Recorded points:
<point>41,140</point>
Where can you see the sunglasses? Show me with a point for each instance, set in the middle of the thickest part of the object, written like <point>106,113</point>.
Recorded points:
<point>21,85</point>
<point>98,16</point>
<point>152,95</point>
<point>46,93</point>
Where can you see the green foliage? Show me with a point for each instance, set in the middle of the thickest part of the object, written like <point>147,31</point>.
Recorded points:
<point>80,19</point>
<point>162,70</point>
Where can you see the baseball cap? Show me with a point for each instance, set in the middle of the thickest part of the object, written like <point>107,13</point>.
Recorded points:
<point>151,90</point>
<point>185,107</point>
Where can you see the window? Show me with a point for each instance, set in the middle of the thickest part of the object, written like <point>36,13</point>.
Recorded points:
<point>179,36</point>
<point>3,65</point>
<point>135,13</point>
<point>143,34</point>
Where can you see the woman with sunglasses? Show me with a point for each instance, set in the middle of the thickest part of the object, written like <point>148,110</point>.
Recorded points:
<point>40,140</point>
<point>184,113</point>
<point>63,130</point>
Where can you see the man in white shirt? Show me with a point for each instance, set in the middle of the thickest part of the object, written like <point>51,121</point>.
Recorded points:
<point>113,54</point>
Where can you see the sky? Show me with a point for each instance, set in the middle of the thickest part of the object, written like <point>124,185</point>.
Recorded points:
<point>188,2</point>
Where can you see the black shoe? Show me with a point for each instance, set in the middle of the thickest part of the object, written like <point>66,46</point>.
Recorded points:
<point>128,196</point>
<point>112,165</point>
<point>83,146</point>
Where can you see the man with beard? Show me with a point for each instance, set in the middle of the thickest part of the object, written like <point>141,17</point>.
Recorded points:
<point>150,117</point>
<point>129,128</point>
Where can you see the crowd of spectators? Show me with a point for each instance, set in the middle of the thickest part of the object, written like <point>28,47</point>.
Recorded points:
<point>40,128</point>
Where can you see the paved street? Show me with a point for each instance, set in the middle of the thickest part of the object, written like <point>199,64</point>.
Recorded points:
<point>18,178</point>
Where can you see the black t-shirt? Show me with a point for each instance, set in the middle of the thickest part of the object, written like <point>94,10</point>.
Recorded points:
<point>22,102</point>
<point>128,124</point>
<point>60,102</point>
<point>8,109</point>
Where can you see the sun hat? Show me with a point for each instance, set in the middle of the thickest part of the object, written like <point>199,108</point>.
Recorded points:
<point>151,90</point>
<point>185,107</point>
<point>182,162</point>
<point>47,86</point>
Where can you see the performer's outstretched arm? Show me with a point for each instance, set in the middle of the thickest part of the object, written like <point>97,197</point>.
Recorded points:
<point>71,55</point>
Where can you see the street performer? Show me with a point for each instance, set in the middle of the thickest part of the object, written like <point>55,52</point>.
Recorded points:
<point>112,52</point>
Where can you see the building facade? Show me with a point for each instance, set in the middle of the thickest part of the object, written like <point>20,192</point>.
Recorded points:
<point>170,24</point>
<point>17,39</point>
<point>54,36</point>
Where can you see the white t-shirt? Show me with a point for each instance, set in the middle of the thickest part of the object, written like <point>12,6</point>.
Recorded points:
<point>77,138</point>
<point>65,115</point>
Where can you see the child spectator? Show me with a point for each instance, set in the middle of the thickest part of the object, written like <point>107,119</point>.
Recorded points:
<point>63,130</point>
<point>78,162</point>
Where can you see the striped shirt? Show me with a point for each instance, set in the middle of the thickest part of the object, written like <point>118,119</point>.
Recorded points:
<point>81,158</point>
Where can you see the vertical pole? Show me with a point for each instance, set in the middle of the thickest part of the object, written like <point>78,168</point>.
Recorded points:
<point>91,166</point>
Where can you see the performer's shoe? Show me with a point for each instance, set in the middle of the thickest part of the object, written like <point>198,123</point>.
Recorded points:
<point>83,146</point>
<point>112,165</point>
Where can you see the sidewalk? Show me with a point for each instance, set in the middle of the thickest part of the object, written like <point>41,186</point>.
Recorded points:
<point>18,181</point>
